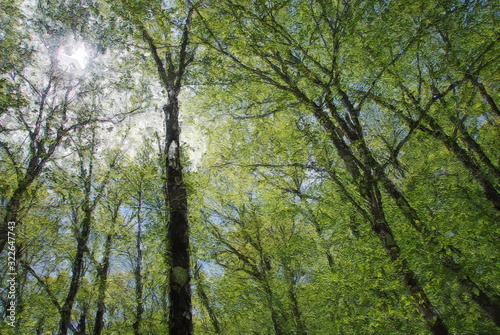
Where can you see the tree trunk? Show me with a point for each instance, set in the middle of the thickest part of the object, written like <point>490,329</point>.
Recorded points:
<point>76,273</point>
<point>178,228</point>
<point>34,168</point>
<point>13,208</point>
<point>487,299</point>
<point>39,326</point>
<point>489,99</point>
<point>292,295</point>
<point>103,281</point>
<point>368,189</point>
<point>488,302</point>
<point>82,323</point>
<point>474,146</point>
<point>205,302</point>
<point>270,305</point>
<point>489,189</point>
<point>180,322</point>
<point>138,269</point>
<point>380,227</point>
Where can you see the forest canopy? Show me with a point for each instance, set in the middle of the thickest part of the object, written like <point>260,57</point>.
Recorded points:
<point>253,167</point>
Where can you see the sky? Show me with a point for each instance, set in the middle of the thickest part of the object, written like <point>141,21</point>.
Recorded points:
<point>78,57</point>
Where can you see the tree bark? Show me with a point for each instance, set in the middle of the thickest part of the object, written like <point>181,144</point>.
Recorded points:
<point>82,323</point>
<point>40,153</point>
<point>76,273</point>
<point>88,206</point>
<point>138,269</point>
<point>13,207</point>
<point>270,305</point>
<point>489,302</point>
<point>205,301</point>
<point>178,228</point>
<point>180,322</point>
<point>292,295</point>
<point>489,190</point>
<point>368,189</point>
<point>380,227</point>
<point>474,146</point>
<point>103,272</point>
<point>489,99</point>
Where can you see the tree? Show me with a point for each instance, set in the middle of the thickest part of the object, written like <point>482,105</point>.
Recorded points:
<point>281,68</point>
<point>171,72</point>
<point>46,122</point>
<point>92,195</point>
<point>314,61</point>
<point>142,179</point>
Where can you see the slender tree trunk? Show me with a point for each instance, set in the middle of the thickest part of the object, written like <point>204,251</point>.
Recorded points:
<point>205,302</point>
<point>138,269</point>
<point>13,208</point>
<point>259,274</point>
<point>103,272</point>
<point>489,99</point>
<point>381,228</point>
<point>39,326</point>
<point>82,323</point>
<point>488,302</point>
<point>368,190</point>
<point>489,189</point>
<point>77,273</point>
<point>270,305</point>
<point>35,166</point>
<point>319,232</point>
<point>292,295</point>
<point>474,146</point>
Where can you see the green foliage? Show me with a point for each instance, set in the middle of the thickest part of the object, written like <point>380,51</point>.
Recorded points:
<point>297,119</point>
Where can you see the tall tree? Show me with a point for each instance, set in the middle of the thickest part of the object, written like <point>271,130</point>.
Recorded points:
<point>141,182</point>
<point>93,192</point>
<point>159,33</point>
<point>316,60</point>
<point>46,121</point>
<point>287,68</point>
<point>103,268</point>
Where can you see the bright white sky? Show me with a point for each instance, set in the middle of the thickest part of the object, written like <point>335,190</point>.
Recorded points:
<point>78,57</point>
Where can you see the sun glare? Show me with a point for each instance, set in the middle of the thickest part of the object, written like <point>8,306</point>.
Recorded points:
<point>76,57</point>
<point>81,56</point>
